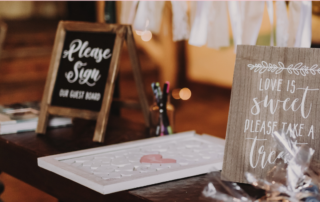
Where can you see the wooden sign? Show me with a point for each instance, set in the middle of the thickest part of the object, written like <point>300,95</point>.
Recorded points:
<point>273,89</point>
<point>82,72</point>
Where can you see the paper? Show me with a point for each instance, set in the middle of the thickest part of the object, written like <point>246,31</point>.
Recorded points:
<point>294,17</point>
<point>148,16</point>
<point>199,31</point>
<point>270,13</point>
<point>282,24</point>
<point>180,20</point>
<point>252,17</point>
<point>128,11</point>
<point>304,30</point>
<point>236,22</point>
<point>218,31</point>
<point>299,24</point>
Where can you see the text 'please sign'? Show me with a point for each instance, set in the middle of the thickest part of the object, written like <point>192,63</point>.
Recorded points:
<point>273,89</point>
<point>82,74</point>
<point>83,70</point>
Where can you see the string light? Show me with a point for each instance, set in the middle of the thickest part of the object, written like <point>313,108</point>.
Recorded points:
<point>185,94</point>
<point>146,36</point>
<point>175,93</point>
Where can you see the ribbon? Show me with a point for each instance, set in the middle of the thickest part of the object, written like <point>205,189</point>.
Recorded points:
<point>236,22</point>
<point>218,31</point>
<point>128,11</point>
<point>193,10</point>
<point>299,24</point>
<point>294,18</point>
<point>148,16</point>
<point>180,20</point>
<point>304,30</point>
<point>199,30</point>
<point>270,13</point>
<point>282,33</point>
<point>252,18</point>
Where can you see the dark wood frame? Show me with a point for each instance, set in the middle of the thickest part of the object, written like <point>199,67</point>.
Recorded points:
<point>3,31</point>
<point>123,33</point>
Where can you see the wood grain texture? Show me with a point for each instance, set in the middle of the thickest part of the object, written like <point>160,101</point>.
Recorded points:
<point>102,120</point>
<point>3,31</point>
<point>92,27</point>
<point>136,68</point>
<point>73,113</point>
<point>130,104</point>
<point>272,87</point>
<point>52,74</point>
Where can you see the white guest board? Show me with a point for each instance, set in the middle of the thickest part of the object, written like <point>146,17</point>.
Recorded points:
<point>119,167</point>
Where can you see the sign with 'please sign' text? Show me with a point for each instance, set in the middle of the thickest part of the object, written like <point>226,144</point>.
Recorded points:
<point>82,74</point>
<point>83,70</point>
<point>274,89</point>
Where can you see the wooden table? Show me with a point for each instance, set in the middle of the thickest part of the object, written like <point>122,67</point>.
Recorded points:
<point>19,153</point>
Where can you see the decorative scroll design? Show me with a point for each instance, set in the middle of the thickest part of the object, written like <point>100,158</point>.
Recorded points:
<point>277,69</point>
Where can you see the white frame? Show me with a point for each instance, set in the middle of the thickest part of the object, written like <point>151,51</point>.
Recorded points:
<point>53,163</point>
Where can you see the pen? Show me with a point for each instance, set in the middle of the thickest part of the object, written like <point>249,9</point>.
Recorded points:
<point>165,115</point>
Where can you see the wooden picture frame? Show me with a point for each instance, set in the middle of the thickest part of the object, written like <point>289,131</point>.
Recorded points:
<point>3,31</point>
<point>123,33</point>
<point>275,89</point>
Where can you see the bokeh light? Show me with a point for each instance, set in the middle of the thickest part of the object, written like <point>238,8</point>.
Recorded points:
<point>146,36</point>
<point>175,93</point>
<point>139,32</point>
<point>185,94</point>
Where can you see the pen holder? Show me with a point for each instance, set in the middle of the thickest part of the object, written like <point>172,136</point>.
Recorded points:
<point>156,119</point>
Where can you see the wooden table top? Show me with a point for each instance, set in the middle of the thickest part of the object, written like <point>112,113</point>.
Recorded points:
<point>19,153</point>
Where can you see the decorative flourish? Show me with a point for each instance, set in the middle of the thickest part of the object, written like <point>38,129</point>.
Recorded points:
<point>296,69</point>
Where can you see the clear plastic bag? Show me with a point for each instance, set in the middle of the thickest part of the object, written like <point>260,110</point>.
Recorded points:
<point>293,179</point>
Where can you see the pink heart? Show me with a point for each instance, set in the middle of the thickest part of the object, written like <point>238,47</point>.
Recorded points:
<point>155,158</point>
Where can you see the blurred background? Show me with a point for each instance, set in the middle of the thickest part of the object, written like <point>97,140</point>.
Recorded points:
<point>200,77</point>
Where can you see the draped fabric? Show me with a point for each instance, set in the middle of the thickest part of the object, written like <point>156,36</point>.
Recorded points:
<point>236,22</point>
<point>282,29</point>
<point>270,13</point>
<point>299,24</point>
<point>218,20</point>
<point>207,22</point>
<point>180,21</point>
<point>148,16</point>
<point>252,14</point>
<point>199,30</point>
<point>128,11</point>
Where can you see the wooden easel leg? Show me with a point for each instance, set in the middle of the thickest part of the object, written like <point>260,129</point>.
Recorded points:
<point>52,74</point>
<point>43,120</point>
<point>137,75</point>
<point>103,116</point>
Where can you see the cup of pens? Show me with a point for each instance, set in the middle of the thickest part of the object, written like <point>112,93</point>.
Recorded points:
<point>161,111</point>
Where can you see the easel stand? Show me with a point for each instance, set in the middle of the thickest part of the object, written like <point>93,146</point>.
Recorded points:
<point>123,33</point>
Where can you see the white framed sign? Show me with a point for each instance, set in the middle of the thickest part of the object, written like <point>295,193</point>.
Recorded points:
<point>129,165</point>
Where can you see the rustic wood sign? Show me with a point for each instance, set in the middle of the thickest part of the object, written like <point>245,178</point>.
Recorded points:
<point>82,72</point>
<point>273,89</point>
